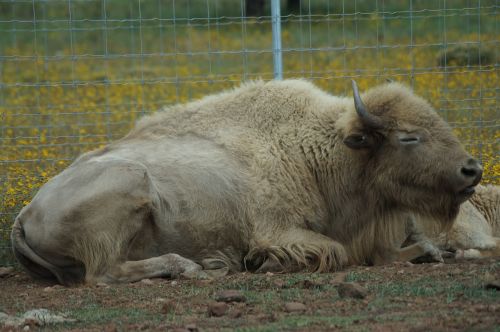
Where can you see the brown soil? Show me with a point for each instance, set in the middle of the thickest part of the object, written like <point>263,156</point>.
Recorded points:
<point>455,296</point>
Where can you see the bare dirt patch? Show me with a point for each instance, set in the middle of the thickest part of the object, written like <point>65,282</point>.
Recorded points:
<point>427,297</point>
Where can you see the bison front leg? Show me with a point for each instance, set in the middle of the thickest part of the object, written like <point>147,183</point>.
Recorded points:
<point>420,245</point>
<point>166,266</point>
<point>416,245</point>
<point>423,248</point>
<point>296,250</point>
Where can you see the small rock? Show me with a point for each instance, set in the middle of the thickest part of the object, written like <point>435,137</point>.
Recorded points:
<point>26,328</point>
<point>401,272</point>
<point>295,307</point>
<point>493,285</point>
<point>102,285</point>
<point>438,265</point>
<point>147,282</point>
<point>6,272</point>
<point>174,283</point>
<point>269,274</point>
<point>217,309</point>
<point>230,295</point>
<point>409,264</point>
<point>352,290</point>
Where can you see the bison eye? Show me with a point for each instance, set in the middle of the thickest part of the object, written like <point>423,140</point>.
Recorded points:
<point>409,140</point>
<point>357,141</point>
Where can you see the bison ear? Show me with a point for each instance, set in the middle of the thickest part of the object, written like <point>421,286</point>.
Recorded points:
<point>358,141</point>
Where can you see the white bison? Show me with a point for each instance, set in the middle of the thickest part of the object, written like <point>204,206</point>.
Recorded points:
<point>268,176</point>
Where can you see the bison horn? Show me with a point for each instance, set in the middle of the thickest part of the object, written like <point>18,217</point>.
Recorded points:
<point>368,119</point>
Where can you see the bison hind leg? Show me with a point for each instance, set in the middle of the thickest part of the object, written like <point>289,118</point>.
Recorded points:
<point>323,255</point>
<point>165,266</point>
<point>214,267</point>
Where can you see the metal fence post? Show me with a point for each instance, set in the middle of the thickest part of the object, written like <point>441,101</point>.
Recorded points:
<point>276,21</point>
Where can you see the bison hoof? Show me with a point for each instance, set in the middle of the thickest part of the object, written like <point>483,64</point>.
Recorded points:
<point>447,254</point>
<point>195,274</point>
<point>432,254</point>
<point>213,264</point>
<point>180,266</point>
<point>468,254</point>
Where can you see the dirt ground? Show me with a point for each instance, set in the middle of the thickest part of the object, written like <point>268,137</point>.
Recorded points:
<point>455,296</point>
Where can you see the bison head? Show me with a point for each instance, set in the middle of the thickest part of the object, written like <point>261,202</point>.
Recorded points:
<point>410,156</point>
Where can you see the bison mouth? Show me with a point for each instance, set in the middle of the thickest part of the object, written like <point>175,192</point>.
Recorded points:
<point>466,193</point>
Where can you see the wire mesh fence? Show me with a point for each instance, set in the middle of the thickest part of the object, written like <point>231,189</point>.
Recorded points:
<point>76,74</point>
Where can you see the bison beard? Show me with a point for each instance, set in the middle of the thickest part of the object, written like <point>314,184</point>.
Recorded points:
<point>271,176</point>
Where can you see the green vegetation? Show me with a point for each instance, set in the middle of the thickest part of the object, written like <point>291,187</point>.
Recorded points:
<point>399,297</point>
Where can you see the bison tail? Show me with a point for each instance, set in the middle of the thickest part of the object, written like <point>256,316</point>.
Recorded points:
<point>39,267</point>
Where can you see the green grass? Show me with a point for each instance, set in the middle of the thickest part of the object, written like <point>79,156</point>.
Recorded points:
<point>95,314</point>
<point>417,297</point>
<point>429,287</point>
<point>361,277</point>
<point>304,321</point>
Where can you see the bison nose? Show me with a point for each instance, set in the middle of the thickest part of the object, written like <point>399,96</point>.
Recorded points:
<point>472,171</point>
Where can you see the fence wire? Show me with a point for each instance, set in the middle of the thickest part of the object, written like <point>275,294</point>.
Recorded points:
<point>76,74</point>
